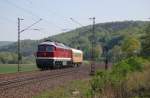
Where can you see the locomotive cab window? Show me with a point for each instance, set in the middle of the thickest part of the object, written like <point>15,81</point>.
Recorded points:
<point>46,48</point>
<point>41,48</point>
<point>49,48</point>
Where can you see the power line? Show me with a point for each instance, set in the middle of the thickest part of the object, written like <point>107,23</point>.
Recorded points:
<point>7,19</point>
<point>48,20</point>
<point>75,21</point>
<point>23,9</point>
<point>30,2</point>
<point>54,13</point>
<point>31,13</point>
<point>30,26</point>
<point>58,15</point>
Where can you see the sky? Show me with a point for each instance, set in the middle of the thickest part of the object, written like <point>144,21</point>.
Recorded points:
<point>56,14</point>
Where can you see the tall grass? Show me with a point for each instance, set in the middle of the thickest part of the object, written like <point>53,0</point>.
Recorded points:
<point>128,79</point>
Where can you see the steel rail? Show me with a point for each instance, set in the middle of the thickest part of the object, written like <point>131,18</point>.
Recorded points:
<point>4,85</point>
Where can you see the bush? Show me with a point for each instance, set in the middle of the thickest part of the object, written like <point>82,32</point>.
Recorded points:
<point>121,68</point>
<point>99,80</point>
<point>129,65</point>
<point>136,63</point>
<point>123,80</point>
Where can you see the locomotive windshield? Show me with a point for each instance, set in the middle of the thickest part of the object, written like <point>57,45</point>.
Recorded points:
<point>46,48</point>
<point>41,48</point>
<point>49,48</point>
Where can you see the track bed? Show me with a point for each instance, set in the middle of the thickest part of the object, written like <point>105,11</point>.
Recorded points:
<point>26,85</point>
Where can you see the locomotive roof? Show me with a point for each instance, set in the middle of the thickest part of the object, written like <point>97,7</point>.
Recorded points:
<point>56,44</point>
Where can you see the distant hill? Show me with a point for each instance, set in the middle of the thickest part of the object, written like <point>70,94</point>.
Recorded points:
<point>110,33</point>
<point>4,43</point>
<point>104,32</point>
<point>27,47</point>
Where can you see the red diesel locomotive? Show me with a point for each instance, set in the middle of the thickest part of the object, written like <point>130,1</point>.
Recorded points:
<point>56,55</point>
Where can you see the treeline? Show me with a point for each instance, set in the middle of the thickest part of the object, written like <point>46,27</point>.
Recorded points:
<point>12,58</point>
<point>7,57</point>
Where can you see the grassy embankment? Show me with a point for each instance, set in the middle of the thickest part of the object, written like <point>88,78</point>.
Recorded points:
<point>77,89</point>
<point>127,79</point>
<point>12,68</point>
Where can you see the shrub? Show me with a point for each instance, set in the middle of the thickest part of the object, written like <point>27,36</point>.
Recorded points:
<point>99,80</point>
<point>121,69</point>
<point>136,63</point>
<point>129,65</point>
<point>123,80</point>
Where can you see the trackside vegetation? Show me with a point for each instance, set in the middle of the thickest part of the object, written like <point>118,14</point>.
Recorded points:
<point>127,79</point>
<point>124,80</point>
<point>75,89</point>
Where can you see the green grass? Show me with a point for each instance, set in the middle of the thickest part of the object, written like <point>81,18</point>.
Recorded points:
<point>82,86</point>
<point>13,68</point>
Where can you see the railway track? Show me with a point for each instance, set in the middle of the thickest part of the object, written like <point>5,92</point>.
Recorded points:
<point>17,82</point>
<point>26,85</point>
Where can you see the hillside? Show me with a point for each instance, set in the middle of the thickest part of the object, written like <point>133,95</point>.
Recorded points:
<point>105,33</point>
<point>109,34</point>
<point>4,43</point>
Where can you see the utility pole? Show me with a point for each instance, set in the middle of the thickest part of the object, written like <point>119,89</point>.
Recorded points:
<point>19,32</point>
<point>93,44</point>
<point>19,54</point>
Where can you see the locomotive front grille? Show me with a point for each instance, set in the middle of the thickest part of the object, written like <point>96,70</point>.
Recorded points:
<point>44,62</point>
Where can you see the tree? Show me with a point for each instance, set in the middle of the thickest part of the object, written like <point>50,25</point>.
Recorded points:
<point>8,58</point>
<point>97,51</point>
<point>131,46</point>
<point>116,53</point>
<point>146,41</point>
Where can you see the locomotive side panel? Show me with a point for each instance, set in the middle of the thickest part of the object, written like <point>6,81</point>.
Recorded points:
<point>62,56</point>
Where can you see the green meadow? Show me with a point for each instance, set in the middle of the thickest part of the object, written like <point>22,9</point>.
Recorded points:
<point>13,68</point>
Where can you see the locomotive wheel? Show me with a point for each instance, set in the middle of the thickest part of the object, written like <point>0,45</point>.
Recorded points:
<point>78,65</point>
<point>75,65</point>
<point>58,65</point>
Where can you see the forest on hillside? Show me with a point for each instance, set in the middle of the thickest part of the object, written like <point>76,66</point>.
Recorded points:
<point>116,36</point>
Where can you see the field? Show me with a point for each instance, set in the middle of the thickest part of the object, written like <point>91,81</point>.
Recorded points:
<point>13,68</point>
